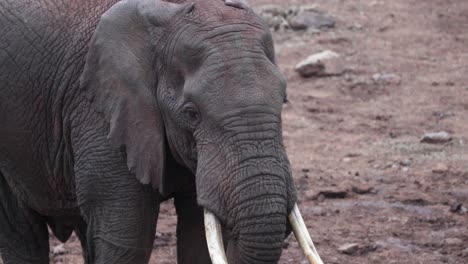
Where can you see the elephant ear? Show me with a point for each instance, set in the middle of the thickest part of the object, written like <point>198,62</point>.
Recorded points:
<point>121,81</point>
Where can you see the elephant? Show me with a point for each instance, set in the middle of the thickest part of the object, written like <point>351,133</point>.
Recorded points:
<point>109,108</point>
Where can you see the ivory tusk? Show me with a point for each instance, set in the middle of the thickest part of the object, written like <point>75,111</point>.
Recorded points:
<point>214,239</point>
<point>303,237</point>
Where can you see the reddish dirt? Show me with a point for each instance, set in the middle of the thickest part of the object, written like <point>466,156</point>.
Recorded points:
<point>347,134</point>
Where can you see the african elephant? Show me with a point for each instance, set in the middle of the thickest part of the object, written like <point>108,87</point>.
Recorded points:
<point>108,108</point>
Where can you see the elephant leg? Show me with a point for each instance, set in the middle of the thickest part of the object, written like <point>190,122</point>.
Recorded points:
<point>191,240</point>
<point>120,212</point>
<point>23,233</point>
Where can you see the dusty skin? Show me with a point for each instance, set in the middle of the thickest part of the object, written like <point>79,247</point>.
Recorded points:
<point>350,137</point>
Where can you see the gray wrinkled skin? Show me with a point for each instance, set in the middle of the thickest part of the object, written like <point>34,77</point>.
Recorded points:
<point>107,109</point>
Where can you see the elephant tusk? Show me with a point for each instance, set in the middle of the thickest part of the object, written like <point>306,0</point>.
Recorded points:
<point>303,237</point>
<point>214,239</point>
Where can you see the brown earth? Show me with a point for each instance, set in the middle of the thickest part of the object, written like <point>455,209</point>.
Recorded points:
<point>362,174</point>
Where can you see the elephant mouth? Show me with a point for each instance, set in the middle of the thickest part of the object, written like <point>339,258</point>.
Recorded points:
<point>215,240</point>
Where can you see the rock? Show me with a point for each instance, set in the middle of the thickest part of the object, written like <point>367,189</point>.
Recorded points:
<point>276,22</point>
<point>456,207</point>
<point>293,11</point>
<point>346,159</point>
<point>310,19</point>
<point>59,250</point>
<point>274,10</point>
<point>464,253</point>
<point>310,7</point>
<point>362,189</point>
<point>274,16</point>
<point>406,162</point>
<point>386,78</point>
<point>333,194</point>
<point>453,241</point>
<point>436,137</point>
<point>356,249</point>
<point>162,239</point>
<point>349,249</point>
<point>440,168</point>
<point>326,63</point>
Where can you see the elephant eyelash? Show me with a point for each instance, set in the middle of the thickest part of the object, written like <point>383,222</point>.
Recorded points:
<point>192,115</point>
<point>286,100</point>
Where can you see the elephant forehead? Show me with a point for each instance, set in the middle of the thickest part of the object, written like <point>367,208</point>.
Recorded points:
<point>219,42</point>
<point>206,10</point>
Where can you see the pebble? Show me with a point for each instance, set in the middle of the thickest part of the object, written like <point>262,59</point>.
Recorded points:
<point>386,78</point>
<point>274,10</point>
<point>440,168</point>
<point>456,207</point>
<point>406,162</point>
<point>326,63</point>
<point>274,16</point>
<point>464,253</point>
<point>436,137</point>
<point>346,159</point>
<point>330,194</point>
<point>349,249</point>
<point>59,250</point>
<point>453,241</point>
<point>311,19</point>
<point>357,249</point>
<point>362,189</point>
<point>276,22</point>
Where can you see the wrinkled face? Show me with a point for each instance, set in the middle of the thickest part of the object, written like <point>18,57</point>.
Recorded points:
<point>221,96</point>
<point>214,69</point>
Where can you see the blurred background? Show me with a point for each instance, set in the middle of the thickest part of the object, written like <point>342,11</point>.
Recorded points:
<point>376,130</point>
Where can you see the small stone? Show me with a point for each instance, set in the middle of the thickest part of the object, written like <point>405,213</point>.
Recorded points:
<point>346,159</point>
<point>456,207</point>
<point>311,19</point>
<point>453,241</point>
<point>274,22</point>
<point>357,249</point>
<point>334,194</point>
<point>312,7</point>
<point>356,27</point>
<point>326,194</point>
<point>59,250</point>
<point>436,137</point>
<point>464,253</point>
<point>440,168</point>
<point>293,11</point>
<point>386,78</point>
<point>353,154</point>
<point>406,162</point>
<point>274,10</point>
<point>326,63</point>
<point>362,189</point>
<point>349,249</point>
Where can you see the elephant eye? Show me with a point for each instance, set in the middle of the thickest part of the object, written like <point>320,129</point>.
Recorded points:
<point>191,114</point>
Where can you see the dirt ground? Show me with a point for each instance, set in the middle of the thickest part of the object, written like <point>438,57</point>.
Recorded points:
<point>362,174</point>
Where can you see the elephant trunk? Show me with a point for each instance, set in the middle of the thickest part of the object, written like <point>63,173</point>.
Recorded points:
<point>259,213</point>
<point>246,182</point>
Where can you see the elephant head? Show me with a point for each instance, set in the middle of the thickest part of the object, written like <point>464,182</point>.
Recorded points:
<point>198,82</point>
